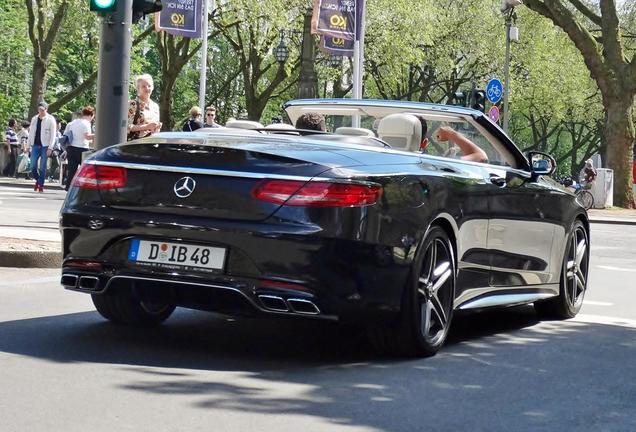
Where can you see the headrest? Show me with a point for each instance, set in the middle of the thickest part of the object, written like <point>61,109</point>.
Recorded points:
<point>243,124</point>
<point>402,131</point>
<point>355,131</point>
<point>280,126</point>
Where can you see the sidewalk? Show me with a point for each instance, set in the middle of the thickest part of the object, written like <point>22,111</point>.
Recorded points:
<point>612,216</point>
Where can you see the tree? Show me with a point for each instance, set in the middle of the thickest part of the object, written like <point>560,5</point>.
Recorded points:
<point>44,20</point>
<point>597,34</point>
<point>251,28</point>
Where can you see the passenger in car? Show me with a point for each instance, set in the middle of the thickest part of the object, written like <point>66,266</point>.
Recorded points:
<point>311,121</point>
<point>470,150</point>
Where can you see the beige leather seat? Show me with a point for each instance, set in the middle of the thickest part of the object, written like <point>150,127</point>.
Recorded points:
<point>401,131</point>
<point>243,124</point>
<point>354,131</point>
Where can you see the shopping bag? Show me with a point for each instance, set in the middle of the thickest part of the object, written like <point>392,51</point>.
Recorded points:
<point>24,163</point>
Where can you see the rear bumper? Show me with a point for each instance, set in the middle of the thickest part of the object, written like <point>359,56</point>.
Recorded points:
<point>280,269</point>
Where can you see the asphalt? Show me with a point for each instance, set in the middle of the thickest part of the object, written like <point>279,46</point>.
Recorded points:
<point>38,245</point>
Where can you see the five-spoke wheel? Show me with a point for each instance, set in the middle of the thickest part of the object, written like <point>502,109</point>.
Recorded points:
<point>573,277</point>
<point>427,306</point>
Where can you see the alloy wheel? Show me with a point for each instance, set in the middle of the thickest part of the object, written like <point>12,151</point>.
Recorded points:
<point>435,291</point>
<point>576,268</point>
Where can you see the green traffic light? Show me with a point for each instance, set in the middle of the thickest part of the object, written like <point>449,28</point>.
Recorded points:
<point>103,4</point>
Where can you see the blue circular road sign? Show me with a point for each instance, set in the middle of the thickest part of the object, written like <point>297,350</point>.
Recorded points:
<point>494,90</point>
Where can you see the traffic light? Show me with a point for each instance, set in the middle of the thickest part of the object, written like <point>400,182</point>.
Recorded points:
<point>103,5</point>
<point>142,8</point>
<point>478,100</point>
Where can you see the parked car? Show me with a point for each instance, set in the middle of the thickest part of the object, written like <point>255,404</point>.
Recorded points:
<point>367,225</point>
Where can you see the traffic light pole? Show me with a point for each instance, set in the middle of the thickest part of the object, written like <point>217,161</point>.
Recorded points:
<point>113,76</point>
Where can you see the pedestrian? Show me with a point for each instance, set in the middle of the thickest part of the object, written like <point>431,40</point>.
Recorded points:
<point>13,149</point>
<point>54,152</point>
<point>82,134</point>
<point>194,122</point>
<point>23,163</point>
<point>143,112</point>
<point>43,134</point>
<point>210,117</point>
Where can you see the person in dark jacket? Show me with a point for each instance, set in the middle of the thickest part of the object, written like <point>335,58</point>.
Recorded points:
<point>194,122</point>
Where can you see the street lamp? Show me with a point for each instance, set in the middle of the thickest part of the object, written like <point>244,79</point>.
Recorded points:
<point>281,52</point>
<point>334,61</point>
<point>512,33</point>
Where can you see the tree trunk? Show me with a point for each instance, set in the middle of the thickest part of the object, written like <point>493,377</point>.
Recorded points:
<point>619,136</point>
<point>38,85</point>
<point>165,101</point>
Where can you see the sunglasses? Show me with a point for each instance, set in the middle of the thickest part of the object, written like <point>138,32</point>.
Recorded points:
<point>210,114</point>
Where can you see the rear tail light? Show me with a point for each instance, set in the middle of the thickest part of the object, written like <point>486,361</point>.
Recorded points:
<point>100,177</point>
<point>317,194</point>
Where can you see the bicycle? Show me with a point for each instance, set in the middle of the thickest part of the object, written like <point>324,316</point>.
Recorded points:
<point>583,196</point>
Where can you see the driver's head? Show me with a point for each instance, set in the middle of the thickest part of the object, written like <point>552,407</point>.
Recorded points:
<point>311,121</point>
<point>424,128</point>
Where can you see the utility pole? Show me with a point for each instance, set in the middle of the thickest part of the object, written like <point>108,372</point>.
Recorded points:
<point>507,73</point>
<point>113,76</point>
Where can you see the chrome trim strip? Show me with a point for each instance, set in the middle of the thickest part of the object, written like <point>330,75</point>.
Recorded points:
<point>466,296</point>
<point>505,299</point>
<point>291,302</point>
<point>236,290</point>
<point>205,171</point>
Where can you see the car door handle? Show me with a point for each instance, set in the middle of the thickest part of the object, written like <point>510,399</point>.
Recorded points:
<point>498,181</point>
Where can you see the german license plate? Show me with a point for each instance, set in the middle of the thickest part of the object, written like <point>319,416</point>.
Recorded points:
<point>176,254</point>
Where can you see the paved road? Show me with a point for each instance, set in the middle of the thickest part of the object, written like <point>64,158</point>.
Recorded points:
<point>63,368</point>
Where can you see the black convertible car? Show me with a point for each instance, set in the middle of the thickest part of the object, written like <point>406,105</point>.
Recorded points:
<point>403,215</point>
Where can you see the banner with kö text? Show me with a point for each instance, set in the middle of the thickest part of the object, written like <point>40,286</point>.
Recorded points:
<point>180,17</point>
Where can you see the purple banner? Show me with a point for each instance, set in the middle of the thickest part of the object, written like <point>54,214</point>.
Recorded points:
<point>336,46</point>
<point>335,18</point>
<point>181,17</point>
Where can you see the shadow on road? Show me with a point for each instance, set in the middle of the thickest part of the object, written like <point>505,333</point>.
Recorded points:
<point>500,370</point>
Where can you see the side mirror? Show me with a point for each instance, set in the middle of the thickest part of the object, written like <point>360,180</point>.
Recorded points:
<point>541,163</point>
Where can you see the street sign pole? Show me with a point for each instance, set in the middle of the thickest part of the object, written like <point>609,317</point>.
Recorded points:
<point>506,113</point>
<point>113,76</point>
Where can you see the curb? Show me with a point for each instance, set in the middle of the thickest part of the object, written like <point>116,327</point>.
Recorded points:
<point>614,221</point>
<point>30,259</point>
<point>47,185</point>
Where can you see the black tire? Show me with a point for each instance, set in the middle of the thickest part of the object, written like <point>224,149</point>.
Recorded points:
<point>427,306</point>
<point>573,282</point>
<point>121,308</point>
<point>586,199</point>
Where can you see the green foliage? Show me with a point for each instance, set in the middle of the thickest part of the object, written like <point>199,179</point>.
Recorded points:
<point>421,51</point>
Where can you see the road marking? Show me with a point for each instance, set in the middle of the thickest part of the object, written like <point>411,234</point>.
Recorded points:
<point>34,281</point>
<point>597,303</point>
<point>597,319</point>
<point>617,269</point>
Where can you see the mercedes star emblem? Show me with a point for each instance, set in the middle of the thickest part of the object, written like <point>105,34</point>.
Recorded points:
<point>184,187</point>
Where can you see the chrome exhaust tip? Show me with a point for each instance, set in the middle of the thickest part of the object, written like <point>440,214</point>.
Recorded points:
<point>274,303</point>
<point>89,283</point>
<point>302,306</point>
<point>69,281</point>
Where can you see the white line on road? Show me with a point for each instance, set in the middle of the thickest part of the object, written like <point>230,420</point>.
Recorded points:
<point>597,319</point>
<point>598,303</point>
<point>41,280</point>
<point>617,268</point>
